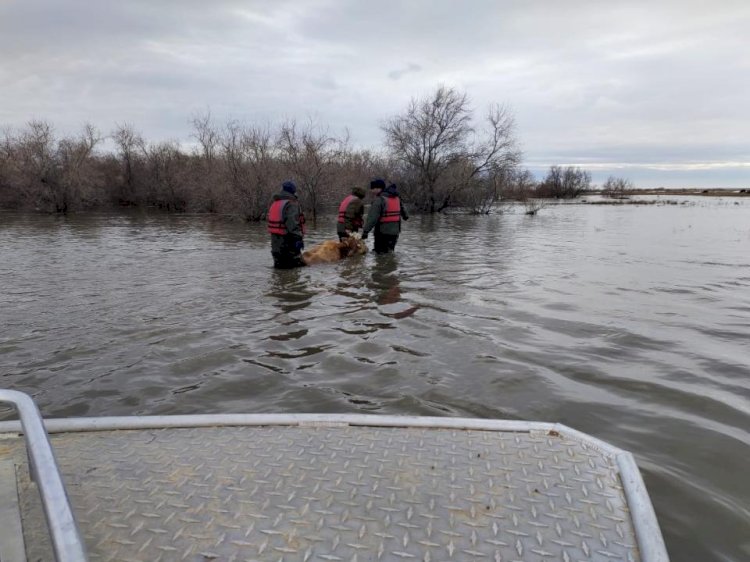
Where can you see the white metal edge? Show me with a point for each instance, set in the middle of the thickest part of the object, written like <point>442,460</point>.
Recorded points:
<point>213,420</point>
<point>646,526</point>
<point>598,444</point>
<point>113,423</point>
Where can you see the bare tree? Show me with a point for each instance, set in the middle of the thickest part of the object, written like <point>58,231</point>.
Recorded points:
<point>129,145</point>
<point>429,137</point>
<point>437,158</point>
<point>310,153</point>
<point>6,169</point>
<point>525,190</point>
<point>250,166</point>
<point>166,176</point>
<point>492,193</point>
<point>12,193</point>
<point>566,182</point>
<point>264,169</point>
<point>356,167</point>
<point>233,159</point>
<point>435,140</point>
<point>77,174</point>
<point>34,161</point>
<point>207,136</point>
<point>618,188</point>
<point>41,172</point>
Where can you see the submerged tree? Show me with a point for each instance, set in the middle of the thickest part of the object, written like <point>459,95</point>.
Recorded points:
<point>438,158</point>
<point>443,153</point>
<point>250,166</point>
<point>525,190</point>
<point>78,176</point>
<point>617,188</point>
<point>40,171</point>
<point>207,135</point>
<point>563,183</point>
<point>167,185</point>
<point>310,152</point>
<point>34,167</point>
<point>130,147</point>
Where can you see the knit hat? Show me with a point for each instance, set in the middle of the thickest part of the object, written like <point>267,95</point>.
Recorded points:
<point>359,192</point>
<point>289,186</point>
<point>377,183</point>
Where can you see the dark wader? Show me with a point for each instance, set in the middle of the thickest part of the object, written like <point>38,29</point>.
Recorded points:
<point>385,243</point>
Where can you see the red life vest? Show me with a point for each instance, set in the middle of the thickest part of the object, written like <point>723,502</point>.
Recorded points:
<point>357,222</point>
<point>276,218</point>
<point>392,211</point>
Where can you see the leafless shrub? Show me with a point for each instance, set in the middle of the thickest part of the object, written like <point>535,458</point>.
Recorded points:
<point>563,183</point>
<point>310,153</point>
<point>525,189</point>
<point>130,148</point>
<point>617,188</point>
<point>235,168</point>
<point>250,167</point>
<point>166,168</point>
<point>207,135</point>
<point>35,153</point>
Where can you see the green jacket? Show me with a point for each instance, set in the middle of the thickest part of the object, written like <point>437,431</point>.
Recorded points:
<point>377,208</point>
<point>353,214</point>
<point>291,215</point>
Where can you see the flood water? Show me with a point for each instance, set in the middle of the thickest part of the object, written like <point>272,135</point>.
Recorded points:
<point>628,323</point>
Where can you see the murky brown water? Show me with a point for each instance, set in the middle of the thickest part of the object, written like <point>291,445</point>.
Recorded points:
<point>628,323</point>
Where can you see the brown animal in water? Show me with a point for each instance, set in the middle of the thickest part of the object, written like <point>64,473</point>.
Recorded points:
<point>332,251</point>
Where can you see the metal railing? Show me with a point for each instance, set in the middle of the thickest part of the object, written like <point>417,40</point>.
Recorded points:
<point>66,537</point>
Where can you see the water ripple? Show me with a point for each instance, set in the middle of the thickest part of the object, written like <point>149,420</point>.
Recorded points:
<point>621,322</point>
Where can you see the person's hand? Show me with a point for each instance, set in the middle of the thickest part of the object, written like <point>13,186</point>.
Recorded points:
<point>348,232</point>
<point>299,244</point>
<point>364,236</point>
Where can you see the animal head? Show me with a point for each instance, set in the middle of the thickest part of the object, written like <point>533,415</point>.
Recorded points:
<point>352,246</point>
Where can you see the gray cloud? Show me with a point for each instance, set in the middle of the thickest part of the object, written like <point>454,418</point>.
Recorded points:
<point>397,74</point>
<point>654,88</point>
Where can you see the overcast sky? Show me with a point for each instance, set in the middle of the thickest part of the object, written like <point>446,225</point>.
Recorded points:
<point>657,91</point>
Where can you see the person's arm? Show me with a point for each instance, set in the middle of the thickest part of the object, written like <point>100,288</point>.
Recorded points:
<point>404,214</point>
<point>373,215</point>
<point>291,219</point>
<point>353,212</point>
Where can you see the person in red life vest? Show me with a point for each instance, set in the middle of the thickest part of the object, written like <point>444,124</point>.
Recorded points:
<point>351,211</point>
<point>286,225</point>
<point>384,216</point>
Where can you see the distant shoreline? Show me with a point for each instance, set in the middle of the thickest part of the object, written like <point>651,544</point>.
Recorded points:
<point>710,192</point>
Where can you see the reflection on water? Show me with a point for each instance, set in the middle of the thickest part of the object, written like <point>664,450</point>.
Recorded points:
<point>386,285</point>
<point>627,323</point>
<point>289,290</point>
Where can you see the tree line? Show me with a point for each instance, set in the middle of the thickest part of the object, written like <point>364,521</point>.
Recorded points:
<point>435,151</point>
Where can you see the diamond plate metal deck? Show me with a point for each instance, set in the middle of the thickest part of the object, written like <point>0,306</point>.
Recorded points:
<point>333,493</point>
